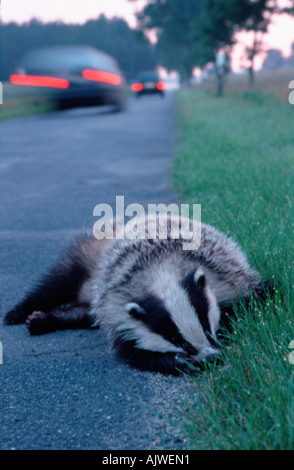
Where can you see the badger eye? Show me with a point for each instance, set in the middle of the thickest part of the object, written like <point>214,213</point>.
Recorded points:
<point>135,310</point>
<point>199,278</point>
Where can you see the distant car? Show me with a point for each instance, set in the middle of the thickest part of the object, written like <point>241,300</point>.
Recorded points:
<point>73,76</point>
<point>148,83</point>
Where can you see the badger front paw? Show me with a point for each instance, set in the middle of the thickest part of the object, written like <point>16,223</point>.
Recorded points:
<point>38,323</point>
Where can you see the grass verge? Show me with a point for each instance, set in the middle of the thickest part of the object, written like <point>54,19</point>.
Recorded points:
<point>236,158</point>
<point>17,102</point>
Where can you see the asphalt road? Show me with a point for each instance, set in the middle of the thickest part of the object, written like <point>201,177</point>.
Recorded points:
<point>66,390</point>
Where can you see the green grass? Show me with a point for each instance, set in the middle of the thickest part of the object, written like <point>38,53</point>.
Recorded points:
<point>236,158</point>
<point>19,101</point>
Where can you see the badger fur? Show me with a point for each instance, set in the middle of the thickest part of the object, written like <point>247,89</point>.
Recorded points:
<point>160,305</point>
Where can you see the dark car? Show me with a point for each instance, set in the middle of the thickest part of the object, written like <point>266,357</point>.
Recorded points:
<point>148,83</point>
<point>73,76</point>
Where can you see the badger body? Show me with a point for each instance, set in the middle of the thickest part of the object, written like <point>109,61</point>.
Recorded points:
<point>159,304</point>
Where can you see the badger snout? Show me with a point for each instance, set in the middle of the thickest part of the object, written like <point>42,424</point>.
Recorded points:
<point>213,357</point>
<point>199,361</point>
<point>210,355</point>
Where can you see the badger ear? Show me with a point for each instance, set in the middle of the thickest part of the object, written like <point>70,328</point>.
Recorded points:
<point>199,278</point>
<point>135,310</point>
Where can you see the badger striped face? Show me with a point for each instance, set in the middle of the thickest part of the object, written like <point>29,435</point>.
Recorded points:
<point>183,318</point>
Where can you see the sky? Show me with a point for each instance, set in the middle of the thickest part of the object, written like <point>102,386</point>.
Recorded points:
<point>69,11</point>
<point>280,35</point>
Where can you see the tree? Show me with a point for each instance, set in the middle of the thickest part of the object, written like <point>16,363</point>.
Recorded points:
<point>193,32</point>
<point>213,31</point>
<point>256,18</point>
<point>222,19</point>
<point>172,21</point>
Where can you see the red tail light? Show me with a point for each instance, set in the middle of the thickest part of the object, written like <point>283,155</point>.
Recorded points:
<point>105,77</point>
<point>34,80</point>
<point>160,86</point>
<point>137,87</point>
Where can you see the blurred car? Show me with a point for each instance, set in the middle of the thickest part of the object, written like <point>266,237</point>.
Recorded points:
<point>73,76</point>
<point>148,83</point>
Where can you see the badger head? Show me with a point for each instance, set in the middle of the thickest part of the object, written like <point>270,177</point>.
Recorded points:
<point>172,328</point>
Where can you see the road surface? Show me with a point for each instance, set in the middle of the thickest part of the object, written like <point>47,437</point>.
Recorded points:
<point>66,390</point>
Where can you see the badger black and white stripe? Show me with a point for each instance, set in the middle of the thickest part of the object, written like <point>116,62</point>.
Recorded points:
<point>160,305</point>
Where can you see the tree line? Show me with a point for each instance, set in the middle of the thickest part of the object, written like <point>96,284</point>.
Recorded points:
<point>192,33</point>
<point>132,50</point>
<point>189,33</point>
<point>275,60</point>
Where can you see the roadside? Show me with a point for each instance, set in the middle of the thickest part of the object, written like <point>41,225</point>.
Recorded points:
<point>235,157</point>
<point>18,101</point>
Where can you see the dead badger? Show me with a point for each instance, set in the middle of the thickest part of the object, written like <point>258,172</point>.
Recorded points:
<point>159,304</point>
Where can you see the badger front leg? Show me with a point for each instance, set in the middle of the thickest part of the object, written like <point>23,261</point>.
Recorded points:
<point>60,286</point>
<point>68,317</point>
<point>64,283</point>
